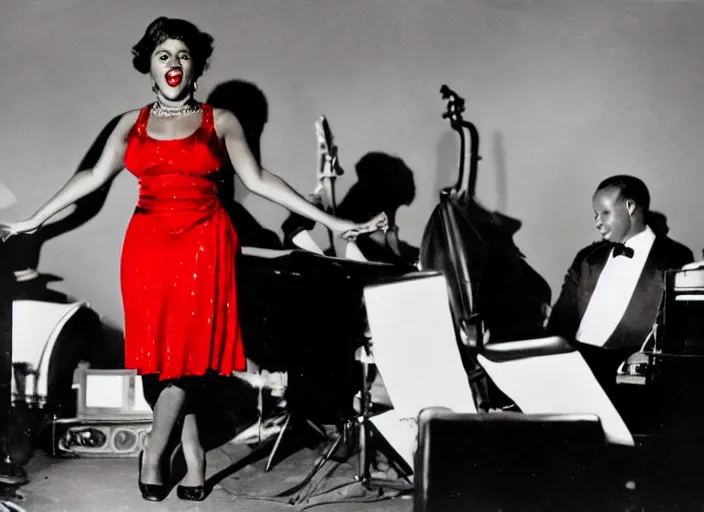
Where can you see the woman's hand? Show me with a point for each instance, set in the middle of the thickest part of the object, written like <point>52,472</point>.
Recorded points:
<point>350,230</point>
<point>8,229</point>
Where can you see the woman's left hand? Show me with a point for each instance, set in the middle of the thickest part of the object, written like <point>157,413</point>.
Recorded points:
<point>350,230</point>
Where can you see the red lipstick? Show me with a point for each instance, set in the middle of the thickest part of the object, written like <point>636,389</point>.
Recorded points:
<point>173,77</point>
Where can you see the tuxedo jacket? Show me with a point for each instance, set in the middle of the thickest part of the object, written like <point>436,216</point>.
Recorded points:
<point>644,306</point>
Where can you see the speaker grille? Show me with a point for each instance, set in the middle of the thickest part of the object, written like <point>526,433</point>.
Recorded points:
<point>105,440</point>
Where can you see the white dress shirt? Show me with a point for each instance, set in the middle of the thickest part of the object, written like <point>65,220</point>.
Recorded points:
<point>614,290</point>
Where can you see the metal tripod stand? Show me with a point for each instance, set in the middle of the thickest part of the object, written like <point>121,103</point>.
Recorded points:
<point>284,428</point>
<point>366,359</point>
<point>360,424</point>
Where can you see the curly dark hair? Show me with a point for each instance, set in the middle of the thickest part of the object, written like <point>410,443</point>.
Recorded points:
<point>199,43</point>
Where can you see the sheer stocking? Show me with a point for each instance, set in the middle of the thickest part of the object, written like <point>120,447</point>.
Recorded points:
<point>166,411</point>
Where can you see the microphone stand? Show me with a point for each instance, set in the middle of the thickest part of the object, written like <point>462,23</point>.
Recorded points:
<point>328,171</point>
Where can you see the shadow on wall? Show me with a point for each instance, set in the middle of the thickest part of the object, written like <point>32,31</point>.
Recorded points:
<point>500,170</point>
<point>25,250</point>
<point>384,184</point>
<point>248,103</point>
<point>447,165</point>
<point>446,161</point>
<point>658,223</point>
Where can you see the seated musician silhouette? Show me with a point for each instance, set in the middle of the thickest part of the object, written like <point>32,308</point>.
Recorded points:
<point>385,183</point>
<point>612,293</point>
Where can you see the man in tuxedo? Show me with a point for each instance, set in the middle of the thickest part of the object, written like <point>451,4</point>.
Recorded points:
<point>612,293</point>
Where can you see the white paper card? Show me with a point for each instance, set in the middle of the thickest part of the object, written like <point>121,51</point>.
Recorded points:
<point>557,384</point>
<point>305,241</point>
<point>105,391</point>
<point>414,346</point>
<point>401,433</point>
<point>352,252</point>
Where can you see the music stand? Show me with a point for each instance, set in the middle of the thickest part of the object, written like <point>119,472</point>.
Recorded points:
<point>361,426</point>
<point>366,359</point>
<point>286,426</point>
<point>299,411</point>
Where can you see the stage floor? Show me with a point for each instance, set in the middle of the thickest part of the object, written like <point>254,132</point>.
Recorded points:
<point>75,485</point>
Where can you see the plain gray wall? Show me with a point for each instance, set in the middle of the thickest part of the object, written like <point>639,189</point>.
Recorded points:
<point>564,94</point>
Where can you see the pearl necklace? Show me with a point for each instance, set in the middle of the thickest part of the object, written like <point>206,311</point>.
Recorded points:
<point>186,110</point>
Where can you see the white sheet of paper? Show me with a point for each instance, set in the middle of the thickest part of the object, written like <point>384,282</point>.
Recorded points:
<point>414,346</point>
<point>401,433</point>
<point>352,252</point>
<point>104,391</point>
<point>305,241</point>
<point>7,198</point>
<point>557,384</point>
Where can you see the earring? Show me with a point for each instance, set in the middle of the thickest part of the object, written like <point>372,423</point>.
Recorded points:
<point>154,87</point>
<point>195,86</point>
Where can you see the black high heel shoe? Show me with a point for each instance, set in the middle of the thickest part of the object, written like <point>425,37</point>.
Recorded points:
<point>150,492</point>
<point>192,492</point>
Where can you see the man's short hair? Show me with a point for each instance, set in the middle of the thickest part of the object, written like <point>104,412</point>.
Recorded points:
<point>629,187</point>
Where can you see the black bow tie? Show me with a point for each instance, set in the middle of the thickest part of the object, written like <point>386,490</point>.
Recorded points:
<point>623,250</point>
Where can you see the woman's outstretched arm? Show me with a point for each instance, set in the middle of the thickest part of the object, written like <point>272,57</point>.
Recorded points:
<point>271,186</point>
<point>83,183</point>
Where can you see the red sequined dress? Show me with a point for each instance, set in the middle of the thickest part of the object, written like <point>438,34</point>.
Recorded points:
<point>178,259</point>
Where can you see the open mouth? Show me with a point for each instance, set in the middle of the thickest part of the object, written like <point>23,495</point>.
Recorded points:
<point>173,77</point>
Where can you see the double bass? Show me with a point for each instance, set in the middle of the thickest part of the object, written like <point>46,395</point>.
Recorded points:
<point>490,284</point>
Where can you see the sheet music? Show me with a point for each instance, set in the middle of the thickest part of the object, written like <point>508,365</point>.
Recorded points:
<point>306,242</point>
<point>414,348</point>
<point>352,252</point>
<point>413,341</point>
<point>401,433</point>
<point>557,384</point>
<point>7,198</point>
